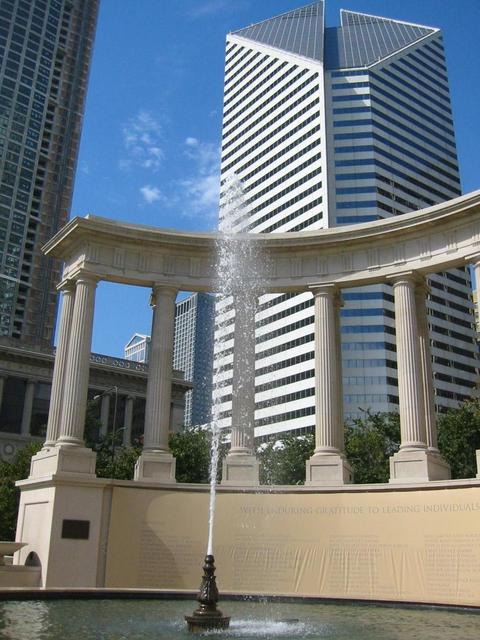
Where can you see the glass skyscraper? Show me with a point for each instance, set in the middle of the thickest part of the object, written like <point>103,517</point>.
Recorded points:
<point>45,52</point>
<point>338,126</point>
<point>192,354</point>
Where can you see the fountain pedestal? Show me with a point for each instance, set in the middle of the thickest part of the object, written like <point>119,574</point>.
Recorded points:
<point>207,616</point>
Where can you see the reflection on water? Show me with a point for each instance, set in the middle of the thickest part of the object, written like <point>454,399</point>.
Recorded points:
<point>159,620</point>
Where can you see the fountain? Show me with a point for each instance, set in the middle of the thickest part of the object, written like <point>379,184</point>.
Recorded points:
<point>234,272</point>
<point>207,616</point>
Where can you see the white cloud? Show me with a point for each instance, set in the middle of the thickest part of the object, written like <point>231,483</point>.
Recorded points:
<point>150,194</point>
<point>201,190</point>
<point>204,192</point>
<point>84,167</point>
<point>142,138</point>
<point>212,7</point>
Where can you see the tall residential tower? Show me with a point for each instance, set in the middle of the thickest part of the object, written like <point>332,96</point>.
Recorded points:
<point>45,52</point>
<point>329,127</point>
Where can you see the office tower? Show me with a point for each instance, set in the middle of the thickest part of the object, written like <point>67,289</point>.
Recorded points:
<point>192,353</point>
<point>337,126</point>
<point>45,52</point>
<point>137,348</point>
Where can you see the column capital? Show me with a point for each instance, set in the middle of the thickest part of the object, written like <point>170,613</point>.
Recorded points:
<point>473,258</point>
<point>158,289</point>
<point>86,277</point>
<point>329,290</point>
<point>67,285</point>
<point>324,289</point>
<point>410,277</point>
<point>422,288</point>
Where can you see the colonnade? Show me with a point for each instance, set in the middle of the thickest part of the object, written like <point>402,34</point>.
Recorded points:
<point>417,460</point>
<point>68,402</point>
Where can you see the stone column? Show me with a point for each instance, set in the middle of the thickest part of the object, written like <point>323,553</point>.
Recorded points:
<point>127,422</point>
<point>69,454</point>
<point>475,261</point>
<point>156,464</point>
<point>421,294</point>
<point>27,407</point>
<point>58,380</point>
<point>78,364</point>
<point>328,465</point>
<point>241,467</point>
<point>414,462</point>
<point>104,414</point>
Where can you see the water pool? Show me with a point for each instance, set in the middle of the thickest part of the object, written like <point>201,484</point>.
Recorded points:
<point>162,619</point>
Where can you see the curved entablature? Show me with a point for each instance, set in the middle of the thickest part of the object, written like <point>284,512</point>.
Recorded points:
<point>426,241</point>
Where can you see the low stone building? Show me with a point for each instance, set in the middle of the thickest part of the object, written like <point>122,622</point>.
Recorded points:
<point>117,390</point>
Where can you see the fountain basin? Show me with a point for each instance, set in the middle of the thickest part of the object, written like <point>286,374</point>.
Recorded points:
<point>134,619</point>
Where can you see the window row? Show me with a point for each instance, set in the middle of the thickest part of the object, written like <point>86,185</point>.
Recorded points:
<point>270,135</point>
<point>295,214</point>
<point>270,121</point>
<point>277,143</point>
<point>258,86</point>
<point>261,105</point>
<point>279,154</point>
<point>266,203</point>
<point>394,158</point>
<point>229,85</point>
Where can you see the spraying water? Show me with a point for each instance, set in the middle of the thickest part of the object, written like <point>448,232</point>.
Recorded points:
<point>237,269</point>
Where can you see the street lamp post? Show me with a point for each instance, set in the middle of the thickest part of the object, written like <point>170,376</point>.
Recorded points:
<point>114,423</point>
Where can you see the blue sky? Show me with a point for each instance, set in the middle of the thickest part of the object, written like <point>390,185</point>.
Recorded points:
<point>152,126</point>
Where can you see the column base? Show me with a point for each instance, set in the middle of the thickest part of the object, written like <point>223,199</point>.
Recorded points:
<point>48,462</point>
<point>241,470</point>
<point>418,465</point>
<point>328,469</point>
<point>155,466</point>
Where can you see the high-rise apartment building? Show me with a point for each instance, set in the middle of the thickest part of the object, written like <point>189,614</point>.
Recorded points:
<point>337,126</point>
<point>192,353</point>
<point>45,52</point>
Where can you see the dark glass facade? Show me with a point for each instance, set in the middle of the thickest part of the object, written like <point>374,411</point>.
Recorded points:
<point>45,52</point>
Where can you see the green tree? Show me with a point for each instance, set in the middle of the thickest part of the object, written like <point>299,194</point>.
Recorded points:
<point>10,472</point>
<point>192,449</point>
<point>459,438</point>
<point>369,443</point>
<point>115,461</point>
<point>282,459</point>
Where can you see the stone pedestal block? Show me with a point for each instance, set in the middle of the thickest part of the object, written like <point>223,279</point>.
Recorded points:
<point>324,469</point>
<point>155,466</point>
<point>418,466</point>
<point>64,520</point>
<point>240,470</point>
<point>55,460</point>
